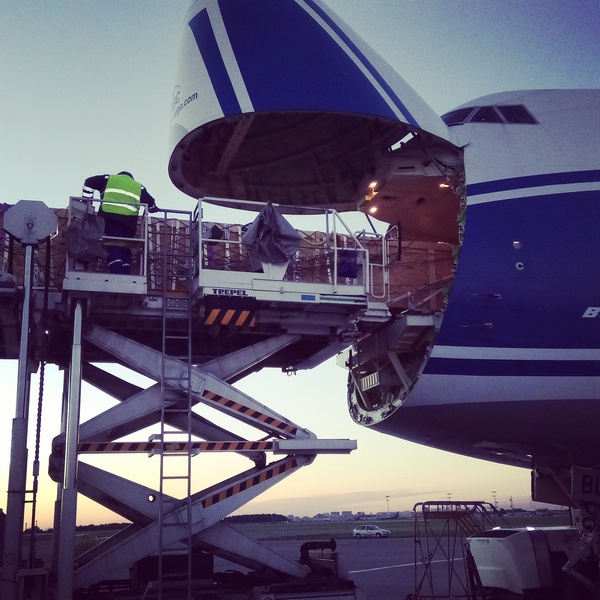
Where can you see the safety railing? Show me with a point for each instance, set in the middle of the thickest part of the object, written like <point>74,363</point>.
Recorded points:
<point>334,256</point>
<point>170,251</point>
<point>161,254</point>
<point>406,275</point>
<point>420,274</point>
<point>377,246</point>
<point>87,243</point>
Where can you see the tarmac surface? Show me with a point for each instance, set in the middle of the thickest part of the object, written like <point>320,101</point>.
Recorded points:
<point>385,569</point>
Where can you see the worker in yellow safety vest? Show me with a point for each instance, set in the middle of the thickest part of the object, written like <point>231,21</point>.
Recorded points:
<point>121,197</point>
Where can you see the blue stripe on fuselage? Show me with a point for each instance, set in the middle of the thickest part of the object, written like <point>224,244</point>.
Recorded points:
<point>296,65</point>
<point>366,63</point>
<point>532,294</point>
<point>512,368</point>
<point>529,181</point>
<point>211,55</point>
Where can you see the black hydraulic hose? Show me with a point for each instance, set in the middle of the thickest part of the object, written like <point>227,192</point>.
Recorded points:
<point>36,459</point>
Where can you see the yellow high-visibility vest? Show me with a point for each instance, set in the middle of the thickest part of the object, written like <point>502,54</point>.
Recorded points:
<point>122,188</point>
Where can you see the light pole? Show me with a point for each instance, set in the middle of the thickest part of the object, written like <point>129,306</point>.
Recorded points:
<point>495,496</point>
<point>387,499</point>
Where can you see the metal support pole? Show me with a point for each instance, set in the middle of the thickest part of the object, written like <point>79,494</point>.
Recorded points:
<point>15,506</point>
<point>68,519</point>
<point>59,486</point>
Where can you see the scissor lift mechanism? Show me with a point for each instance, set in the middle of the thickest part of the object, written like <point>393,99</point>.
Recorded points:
<point>209,506</point>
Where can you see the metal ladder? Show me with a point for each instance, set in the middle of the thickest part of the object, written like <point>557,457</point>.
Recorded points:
<point>176,450</point>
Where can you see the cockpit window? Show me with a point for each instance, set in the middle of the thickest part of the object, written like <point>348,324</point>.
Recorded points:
<point>516,113</point>
<point>486,114</point>
<point>457,117</point>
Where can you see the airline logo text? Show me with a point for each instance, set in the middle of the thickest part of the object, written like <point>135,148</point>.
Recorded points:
<point>591,312</point>
<point>177,104</point>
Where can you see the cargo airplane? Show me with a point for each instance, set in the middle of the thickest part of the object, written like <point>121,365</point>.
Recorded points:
<point>491,346</point>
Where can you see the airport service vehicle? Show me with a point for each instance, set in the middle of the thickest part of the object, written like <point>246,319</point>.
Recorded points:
<point>473,314</point>
<point>370,531</point>
<point>527,562</point>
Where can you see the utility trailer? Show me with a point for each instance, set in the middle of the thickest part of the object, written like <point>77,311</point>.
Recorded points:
<point>529,562</point>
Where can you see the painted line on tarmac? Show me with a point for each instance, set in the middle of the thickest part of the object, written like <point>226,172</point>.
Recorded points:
<point>396,566</point>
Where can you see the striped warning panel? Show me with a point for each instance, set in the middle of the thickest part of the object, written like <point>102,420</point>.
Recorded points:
<point>148,447</point>
<point>277,469</point>
<point>253,414</point>
<point>229,316</point>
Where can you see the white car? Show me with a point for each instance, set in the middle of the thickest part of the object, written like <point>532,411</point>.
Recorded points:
<point>370,531</point>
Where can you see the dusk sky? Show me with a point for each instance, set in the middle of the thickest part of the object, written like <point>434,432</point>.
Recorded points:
<point>86,88</point>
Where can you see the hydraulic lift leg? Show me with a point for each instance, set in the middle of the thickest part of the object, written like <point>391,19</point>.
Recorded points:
<point>18,458</point>
<point>69,496</point>
<point>30,222</point>
<point>59,486</point>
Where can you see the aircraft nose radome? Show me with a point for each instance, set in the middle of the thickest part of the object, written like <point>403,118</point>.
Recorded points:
<point>297,59</point>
